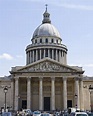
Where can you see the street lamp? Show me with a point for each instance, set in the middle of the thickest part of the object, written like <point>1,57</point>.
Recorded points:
<point>90,90</point>
<point>5,91</point>
<point>76,100</point>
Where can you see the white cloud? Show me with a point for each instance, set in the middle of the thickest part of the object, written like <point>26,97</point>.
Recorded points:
<point>6,56</point>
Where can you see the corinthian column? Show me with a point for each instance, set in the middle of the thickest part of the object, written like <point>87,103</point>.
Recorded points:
<point>77,92</point>
<point>64,93</point>
<point>29,93</point>
<point>52,93</point>
<point>12,92</point>
<point>16,93</point>
<point>40,93</point>
<point>81,95</point>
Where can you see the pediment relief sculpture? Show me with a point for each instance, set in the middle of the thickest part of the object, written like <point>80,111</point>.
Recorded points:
<point>47,66</point>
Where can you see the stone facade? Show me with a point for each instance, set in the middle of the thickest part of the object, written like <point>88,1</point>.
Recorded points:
<point>46,82</point>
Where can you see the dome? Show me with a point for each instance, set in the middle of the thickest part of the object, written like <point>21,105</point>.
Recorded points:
<point>46,29</point>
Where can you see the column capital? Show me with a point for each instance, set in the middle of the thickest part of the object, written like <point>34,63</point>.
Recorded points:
<point>28,78</point>
<point>16,78</point>
<point>52,78</point>
<point>76,78</point>
<point>81,79</point>
<point>40,78</point>
<point>64,78</point>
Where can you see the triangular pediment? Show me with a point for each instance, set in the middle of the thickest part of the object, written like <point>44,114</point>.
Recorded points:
<point>47,65</point>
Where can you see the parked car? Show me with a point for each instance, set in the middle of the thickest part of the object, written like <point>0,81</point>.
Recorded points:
<point>57,114</point>
<point>90,113</point>
<point>28,112</point>
<point>6,114</point>
<point>45,114</point>
<point>37,113</point>
<point>78,114</point>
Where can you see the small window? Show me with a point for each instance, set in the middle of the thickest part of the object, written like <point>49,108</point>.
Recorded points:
<point>46,40</point>
<point>36,41</point>
<point>40,40</point>
<point>52,40</point>
<point>56,41</point>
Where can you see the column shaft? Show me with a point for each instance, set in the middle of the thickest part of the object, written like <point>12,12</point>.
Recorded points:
<point>16,93</point>
<point>40,54</point>
<point>81,95</point>
<point>52,53</point>
<point>64,93</point>
<point>33,55</point>
<point>26,58</point>
<point>44,53</point>
<point>77,92</point>
<point>56,55</point>
<point>12,94</point>
<point>36,55</point>
<point>30,56</point>
<point>52,93</point>
<point>48,53</point>
<point>60,56</point>
<point>29,93</point>
<point>40,94</point>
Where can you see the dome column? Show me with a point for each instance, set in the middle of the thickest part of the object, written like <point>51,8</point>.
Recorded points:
<point>36,55</point>
<point>44,53</point>
<point>40,53</point>
<point>52,53</point>
<point>49,53</point>
<point>56,55</point>
<point>26,58</point>
<point>33,55</point>
<point>59,55</point>
<point>62,57</point>
<point>30,56</point>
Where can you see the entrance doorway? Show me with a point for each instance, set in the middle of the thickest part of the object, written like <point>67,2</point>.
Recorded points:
<point>24,104</point>
<point>69,103</point>
<point>46,103</point>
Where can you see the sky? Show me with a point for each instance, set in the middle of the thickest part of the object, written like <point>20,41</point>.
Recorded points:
<point>72,18</point>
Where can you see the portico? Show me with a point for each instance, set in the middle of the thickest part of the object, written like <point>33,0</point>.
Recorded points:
<point>44,84</point>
